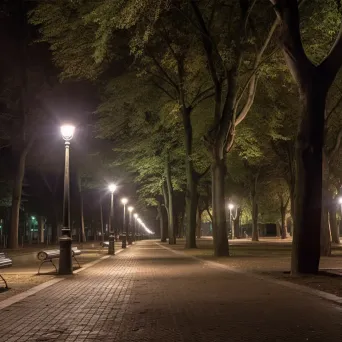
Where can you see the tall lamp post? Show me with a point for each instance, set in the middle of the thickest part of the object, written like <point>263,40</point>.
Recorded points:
<point>231,207</point>
<point>130,209</point>
<point>111,247</point>
<point>135,225</point>
<point>124,201</point>
<point>65,241</point>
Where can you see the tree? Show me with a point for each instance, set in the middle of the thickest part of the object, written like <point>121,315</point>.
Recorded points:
<point>313,83</point>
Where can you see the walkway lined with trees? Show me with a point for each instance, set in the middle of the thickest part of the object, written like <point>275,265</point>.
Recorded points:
<point>150,293</point>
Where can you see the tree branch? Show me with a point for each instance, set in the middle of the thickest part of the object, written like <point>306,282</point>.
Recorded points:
<point>296,58</point>
<point>253,80</point>
<point>333,152</point>
<point>332,63</point>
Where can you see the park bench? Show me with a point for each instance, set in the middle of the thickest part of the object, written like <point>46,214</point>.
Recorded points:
<point>4,262</point>
<point>49,255</point>
<point>105,244</point>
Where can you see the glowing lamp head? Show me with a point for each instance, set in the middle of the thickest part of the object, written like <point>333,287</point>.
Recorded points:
<point>231,206</point>
<point>124,201</point>
<point>112,187</point>
<point>135,215</point>
<point>67,132</point>
<point>340,200</point>
<point>130,209</point>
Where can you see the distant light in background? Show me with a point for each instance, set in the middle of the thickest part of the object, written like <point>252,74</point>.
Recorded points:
<point>124,201</point>
<point>230,206</point>
<point>130,209</point>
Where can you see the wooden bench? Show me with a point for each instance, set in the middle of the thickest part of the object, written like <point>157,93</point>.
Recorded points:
<point>49,255</point>
<point>4,263</point>
<point>104,244</point>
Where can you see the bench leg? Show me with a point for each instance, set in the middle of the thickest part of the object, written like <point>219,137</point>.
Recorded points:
<point>6,286</point>
<point>77,262</point>
<point>43,262</point>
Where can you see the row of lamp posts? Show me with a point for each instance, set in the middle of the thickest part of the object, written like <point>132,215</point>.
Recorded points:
<point>65,241</point>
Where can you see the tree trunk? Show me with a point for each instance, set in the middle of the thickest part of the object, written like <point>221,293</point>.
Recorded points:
<point>172,236</point>
<point>325,237</point>
<point>236,223</point>
<point>82,235</point>
<point>335,234</point>
<point>16,199</point>
<point>199,223</point>
<point>308,201</point>
<point>255,213</point>
<point>255,209</point>
<point>41,225</point>
<point>313,83</point>
<point>221,247</point>
<point>161,222</point>
<point>283,221</point>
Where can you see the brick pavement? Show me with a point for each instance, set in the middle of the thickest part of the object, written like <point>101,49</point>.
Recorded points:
<point>147,293</point>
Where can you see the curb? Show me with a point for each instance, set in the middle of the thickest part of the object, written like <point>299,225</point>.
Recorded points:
<point>317,293</point>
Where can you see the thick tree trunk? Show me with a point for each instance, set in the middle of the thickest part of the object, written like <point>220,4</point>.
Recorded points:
<point>283,221</point>
<point>221,247</point>
<point>172,235</point>
<point>80,192</point>
<point>255,213</point>
<point>191,201</point>
<point>325,240</point>
<point>335,234</point>
<point>199,223</point>
<point>325,243</point>
<point>161,222</point>
<point>41,225</point>
<point>308,201</point>
<point>236,223</point>
<point>191,197</point>
<point>83,236</point>
<point>16,199</point>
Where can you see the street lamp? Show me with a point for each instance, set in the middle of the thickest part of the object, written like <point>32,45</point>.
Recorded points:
<point>135,224</point>
<point>231,207</point>
<point>124,201</point>
<point>65,241</point>
<point>111,247</point>
<point>130,209</point>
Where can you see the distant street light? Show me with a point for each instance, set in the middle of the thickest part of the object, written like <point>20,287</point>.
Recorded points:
<point>124,201</point>
<point>111,247</point>
<point>65,241</point>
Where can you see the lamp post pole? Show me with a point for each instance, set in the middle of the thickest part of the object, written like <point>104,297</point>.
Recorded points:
<point>130,210</point>
<point>65,241</point>
<point>111,247</point>
<point>124,201</point>
<point>135,226</point>
<point>231,206</point>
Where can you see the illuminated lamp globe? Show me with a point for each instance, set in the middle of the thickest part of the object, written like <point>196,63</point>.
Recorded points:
<point>112,187</point>
<point>67,132</point>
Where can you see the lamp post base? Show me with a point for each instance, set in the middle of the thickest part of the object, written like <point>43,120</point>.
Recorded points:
<point>65,257</point>
<point>111,248</point>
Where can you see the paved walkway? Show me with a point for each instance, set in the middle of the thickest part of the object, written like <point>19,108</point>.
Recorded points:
<point>148,293</point>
